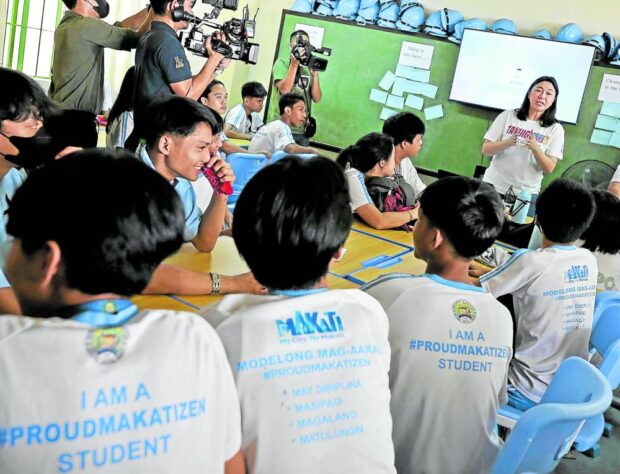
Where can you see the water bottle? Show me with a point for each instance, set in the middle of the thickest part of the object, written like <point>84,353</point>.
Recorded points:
<point>521,207</point>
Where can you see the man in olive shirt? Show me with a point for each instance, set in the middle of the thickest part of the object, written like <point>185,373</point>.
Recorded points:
<point>79,40</point>
<point>291,76</point>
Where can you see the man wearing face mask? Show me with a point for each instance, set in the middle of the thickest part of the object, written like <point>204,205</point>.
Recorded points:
<point>79,41</point>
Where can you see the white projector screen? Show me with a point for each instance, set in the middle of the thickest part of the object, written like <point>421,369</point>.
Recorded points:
<point>495,70</point>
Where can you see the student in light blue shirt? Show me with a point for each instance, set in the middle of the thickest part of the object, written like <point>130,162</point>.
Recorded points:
<point>179,145</point>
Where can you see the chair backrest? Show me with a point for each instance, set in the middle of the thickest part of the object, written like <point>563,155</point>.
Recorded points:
<point>278,155</point>
<point>244,165</point>
<point>605,336</point>
<point>546,432</point>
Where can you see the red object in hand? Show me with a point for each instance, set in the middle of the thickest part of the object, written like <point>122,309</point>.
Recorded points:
<point>219,188</point>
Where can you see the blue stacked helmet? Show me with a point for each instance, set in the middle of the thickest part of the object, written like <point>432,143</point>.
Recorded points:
<point>542,34</point>
<point>303,6</point>
<point>325,7</point>
<point>442,22</point>
<point>471,24</point>
<point>347,9</point>
<point>612,48</point>
<point>368,12</point>
<point>504,26</point>
<point>570,33</point>
<point>388,13</point>
<point>598,43</point>
<point>411,16</point>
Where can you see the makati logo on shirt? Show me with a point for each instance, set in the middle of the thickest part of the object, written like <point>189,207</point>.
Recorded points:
<point>106,345</point>
<point>576,273</point>
<point>303,326</point>
<point>464,311</point>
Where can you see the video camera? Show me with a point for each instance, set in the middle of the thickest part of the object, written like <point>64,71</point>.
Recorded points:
<point>236,31</point>
<point>303,52</point>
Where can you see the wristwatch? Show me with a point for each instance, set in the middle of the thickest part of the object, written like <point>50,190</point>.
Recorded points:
<point>215,283</point>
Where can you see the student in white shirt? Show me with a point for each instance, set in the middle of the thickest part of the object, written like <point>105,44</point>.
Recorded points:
<point>602,238</point>
<point>244,120</point>
<point>311,364</point>
<point>614,184</point>
<point>88,380</point>
<point>371,156</point>
<point>525,143</point>
<point>553,290</point>
<point>451,341</point>
<point>277,135</point>
<point>407,131</point>
<point>181,140</point>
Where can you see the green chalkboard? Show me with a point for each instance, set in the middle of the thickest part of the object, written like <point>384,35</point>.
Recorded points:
<point>360,57</point>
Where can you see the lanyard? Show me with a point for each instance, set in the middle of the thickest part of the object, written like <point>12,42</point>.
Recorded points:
<point>104,313</point>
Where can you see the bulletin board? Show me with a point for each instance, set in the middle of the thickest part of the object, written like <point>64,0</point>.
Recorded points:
<point>361,57</point>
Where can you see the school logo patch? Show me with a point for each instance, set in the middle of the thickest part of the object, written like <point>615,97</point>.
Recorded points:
<point>106,345</point>
<point>178,62</point>
<point>464,311</point>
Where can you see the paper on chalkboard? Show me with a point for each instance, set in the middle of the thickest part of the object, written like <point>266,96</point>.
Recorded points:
<point>610,108</point>
<point>615,140</point>
<point>378,96</point>
<point>387,113</point>
<point>604,122</point>
<point>429,91</point>
<point>431,113</point>
<point>600,137</point>
<point>395,102</point>
<point>412,73</point>
<point>387,81</point>
<point>402,85</point>
<point>414,102</point>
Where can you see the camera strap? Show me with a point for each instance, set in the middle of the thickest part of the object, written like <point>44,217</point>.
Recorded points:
<point>300,82</point>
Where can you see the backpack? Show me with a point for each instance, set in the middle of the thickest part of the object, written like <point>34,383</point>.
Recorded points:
<point>391,194</point>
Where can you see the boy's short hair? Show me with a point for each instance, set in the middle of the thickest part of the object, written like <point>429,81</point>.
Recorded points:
<point>603,234</point>
<point>114,218</point>
<point>178,116</point>
<point>21,96</point>
<point>160,6</point>
<point>468,211</point>
<point>286,227</point>
<point>70,4</point>
<point>296,33</point>
<point>253,89</point>
<point>289,99</point>
<point>564,210</point>
<point>403,127</point>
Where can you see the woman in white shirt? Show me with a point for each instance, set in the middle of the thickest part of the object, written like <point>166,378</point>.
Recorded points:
<point>525,143</point>
<point>371,156</point>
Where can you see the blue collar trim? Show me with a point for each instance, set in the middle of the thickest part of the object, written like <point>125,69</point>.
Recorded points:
<point>294,293</point>
<point>105,313</point>
<point>564,247</point>
<point>454,284</point>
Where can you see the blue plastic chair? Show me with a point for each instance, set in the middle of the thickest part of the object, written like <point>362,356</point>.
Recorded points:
<point>545,433</point>
<point>278,155</point>
<point>605,339</point>
<point>244,165</point>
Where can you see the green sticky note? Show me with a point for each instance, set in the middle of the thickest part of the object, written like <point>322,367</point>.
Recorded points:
<point>378,96</point>
<point>387,113</point>
<point>395,102</point>
<point>414,102</point>
<point>600,137</point>
<point>431,113</point>
<point>615,140</point>
<point>387,81</point>
<point>604,122</point>
<point>611,108</point>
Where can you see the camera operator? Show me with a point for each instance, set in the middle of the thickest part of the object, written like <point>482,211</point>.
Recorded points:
<point>295,77</point>
<point>162,68</point>
<point>78,69</point>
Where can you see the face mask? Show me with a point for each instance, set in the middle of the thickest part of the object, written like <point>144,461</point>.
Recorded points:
<point>35,151</point>
<point>103,9</point>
